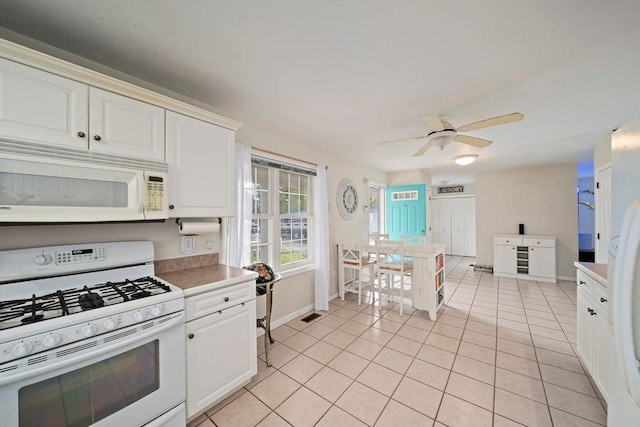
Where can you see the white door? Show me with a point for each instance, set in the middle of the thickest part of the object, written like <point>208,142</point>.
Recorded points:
<point>469,206</point>
<point>124,126</point>
<point>457,227</point>
<point>201,168</point>
<point>444,221</point>
<point>42,107</point>
<point>603,213</point>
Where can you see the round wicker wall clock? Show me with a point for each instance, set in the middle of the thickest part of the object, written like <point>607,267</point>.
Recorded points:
<point>347,199</point>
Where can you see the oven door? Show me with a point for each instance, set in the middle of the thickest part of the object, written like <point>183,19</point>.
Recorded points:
<point>125,378</point>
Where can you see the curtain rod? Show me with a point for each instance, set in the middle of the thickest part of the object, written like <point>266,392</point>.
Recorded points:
<point>285,156</point>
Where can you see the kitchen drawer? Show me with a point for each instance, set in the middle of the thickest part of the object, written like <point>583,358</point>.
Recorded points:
<point>210,302</point>
<point>542,243</point>
<point>585,283</point>
<point>507,240</point>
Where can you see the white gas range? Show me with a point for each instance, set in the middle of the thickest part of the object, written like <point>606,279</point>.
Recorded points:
<point>89,336</point>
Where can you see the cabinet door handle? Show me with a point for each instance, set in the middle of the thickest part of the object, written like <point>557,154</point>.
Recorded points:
<point>171,207</point>
<point>226,299</point>
<point>81,134</point>
<point>97,137</point>
<point>191,336</point>
<point>591,311</point>
<point>581,282</point>
<point>603,299</point>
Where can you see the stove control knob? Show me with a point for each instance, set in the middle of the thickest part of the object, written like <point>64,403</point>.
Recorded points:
<point>43,259</point>
<point>109,324</point>
<point>22,348</point>
<point>156,311</point>
<point>88,330</point>
<point>138,316</point>
<point>51,340</point>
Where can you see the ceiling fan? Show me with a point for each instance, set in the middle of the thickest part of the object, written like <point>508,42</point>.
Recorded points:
<point>442,132</point>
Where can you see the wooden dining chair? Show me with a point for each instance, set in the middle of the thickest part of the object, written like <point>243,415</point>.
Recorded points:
<point>394,269</point>
<point>353,257</point>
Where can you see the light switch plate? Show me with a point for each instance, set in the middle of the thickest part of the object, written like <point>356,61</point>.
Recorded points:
<point>187,244</point>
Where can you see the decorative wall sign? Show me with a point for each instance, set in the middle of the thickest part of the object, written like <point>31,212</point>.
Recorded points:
<point>347,199</point>
<point>451,189</point>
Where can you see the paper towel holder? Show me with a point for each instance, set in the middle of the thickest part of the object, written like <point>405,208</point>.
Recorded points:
<point>179,221</point>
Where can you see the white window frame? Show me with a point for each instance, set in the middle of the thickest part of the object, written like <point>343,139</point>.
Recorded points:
<point>273,218</point>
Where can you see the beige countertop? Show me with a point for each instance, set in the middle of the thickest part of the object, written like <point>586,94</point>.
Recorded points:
<point>196,280</point>
<point>596,271</point>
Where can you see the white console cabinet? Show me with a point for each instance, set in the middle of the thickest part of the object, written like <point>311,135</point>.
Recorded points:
<point>525,256</point>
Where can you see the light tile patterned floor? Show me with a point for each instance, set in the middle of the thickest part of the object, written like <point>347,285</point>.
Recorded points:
<point>502,353</point>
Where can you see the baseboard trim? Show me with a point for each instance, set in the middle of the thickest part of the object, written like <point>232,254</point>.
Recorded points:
<point>291,316</point>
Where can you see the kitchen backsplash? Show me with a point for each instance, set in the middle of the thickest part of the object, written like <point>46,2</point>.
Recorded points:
<point>174,264</point>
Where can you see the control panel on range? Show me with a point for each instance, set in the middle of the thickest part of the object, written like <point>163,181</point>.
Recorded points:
<point>66,335</point>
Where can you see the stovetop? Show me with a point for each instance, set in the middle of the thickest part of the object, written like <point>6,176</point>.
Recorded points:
<point>27,310</point>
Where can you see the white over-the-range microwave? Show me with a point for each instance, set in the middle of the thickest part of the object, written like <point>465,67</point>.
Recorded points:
<point>45,184</point>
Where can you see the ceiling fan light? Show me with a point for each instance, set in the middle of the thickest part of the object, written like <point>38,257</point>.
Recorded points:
<point>441,138</point>
<point>465,159</point>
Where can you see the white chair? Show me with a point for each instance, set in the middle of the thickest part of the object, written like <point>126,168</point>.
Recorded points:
<point>353,257</point>
<point>373,237</point>
<point>393,264</point>
<point>410,238</point>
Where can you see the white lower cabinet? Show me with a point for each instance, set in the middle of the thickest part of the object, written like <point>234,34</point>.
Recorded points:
<point>221,345</point>
<point>593,336</point>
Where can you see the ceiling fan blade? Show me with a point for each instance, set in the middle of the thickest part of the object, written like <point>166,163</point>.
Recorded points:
<point>433,122</point>
<point>472,140</point>
<point>402,139</point>
<point>500,120</point>
<point>422,150</point>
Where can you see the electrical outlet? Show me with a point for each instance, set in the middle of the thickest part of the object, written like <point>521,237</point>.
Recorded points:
<point>209,244</point>
<point>187,244</point>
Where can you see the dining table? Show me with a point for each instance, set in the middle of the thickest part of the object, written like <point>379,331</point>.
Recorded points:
<point>427,276</point>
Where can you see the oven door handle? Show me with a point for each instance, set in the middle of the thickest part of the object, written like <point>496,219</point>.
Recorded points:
<point>178,319</point>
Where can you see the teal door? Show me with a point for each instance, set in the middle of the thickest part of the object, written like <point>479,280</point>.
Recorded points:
<point>406,211</point>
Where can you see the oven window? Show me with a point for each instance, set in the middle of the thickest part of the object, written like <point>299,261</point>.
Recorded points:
<point>87,395</point>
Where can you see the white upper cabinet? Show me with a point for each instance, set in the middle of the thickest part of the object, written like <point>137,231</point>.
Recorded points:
<point>124,126</point>
<point>45,108</point>
<point>201,168</point>
<point>41,107</point>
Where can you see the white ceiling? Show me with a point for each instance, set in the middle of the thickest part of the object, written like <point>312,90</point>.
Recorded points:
<point>348,74</point>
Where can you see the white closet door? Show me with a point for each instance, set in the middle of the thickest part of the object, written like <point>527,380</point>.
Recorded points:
<point>445,224</point>
<point>469,207</point>
<point>457,227</point>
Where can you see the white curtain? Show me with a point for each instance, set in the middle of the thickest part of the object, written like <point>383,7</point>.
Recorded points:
<point>239,227</point>
<point>321,239</point>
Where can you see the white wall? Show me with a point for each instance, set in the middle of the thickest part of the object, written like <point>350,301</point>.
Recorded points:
<point>293,293</point>
<point>543,199</point>
<point>602,153</point>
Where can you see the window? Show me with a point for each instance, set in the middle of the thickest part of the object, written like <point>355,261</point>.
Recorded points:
<point>282,214</point>
<point>376,209</point>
